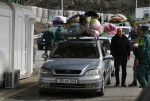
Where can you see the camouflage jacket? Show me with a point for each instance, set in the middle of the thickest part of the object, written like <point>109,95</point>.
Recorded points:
<point>144,49</point>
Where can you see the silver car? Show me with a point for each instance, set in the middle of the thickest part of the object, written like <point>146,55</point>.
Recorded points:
<point>76,65</point>
<point>106,40</point>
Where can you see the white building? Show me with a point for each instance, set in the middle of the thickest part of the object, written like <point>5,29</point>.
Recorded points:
<point>16,39</point>
<point>142,12</point>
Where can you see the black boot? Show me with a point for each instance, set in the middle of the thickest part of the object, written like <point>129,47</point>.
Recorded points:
<point>134,83</point>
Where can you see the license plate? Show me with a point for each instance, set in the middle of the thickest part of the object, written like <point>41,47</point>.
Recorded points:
<point>68,81</point>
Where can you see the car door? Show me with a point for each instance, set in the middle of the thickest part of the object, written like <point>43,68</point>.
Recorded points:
<point>106,62</point>
<point>106,43</point>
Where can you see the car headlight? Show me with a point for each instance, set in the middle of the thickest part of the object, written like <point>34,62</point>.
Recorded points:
<point>92,72</point>
<point>44,71</point>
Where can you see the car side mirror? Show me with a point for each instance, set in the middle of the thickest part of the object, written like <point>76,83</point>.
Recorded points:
<point>107,57</point>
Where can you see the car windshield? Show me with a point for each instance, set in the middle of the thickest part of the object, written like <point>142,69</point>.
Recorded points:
<point>75,50</point>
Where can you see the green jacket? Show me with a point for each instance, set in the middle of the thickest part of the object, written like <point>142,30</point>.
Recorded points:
<point>58,35</point>
<point>144,49</point>
<point>48,35</point>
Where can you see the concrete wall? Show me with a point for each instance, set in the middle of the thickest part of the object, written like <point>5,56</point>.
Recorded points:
<point>46,15</point>
<point>16,39</point>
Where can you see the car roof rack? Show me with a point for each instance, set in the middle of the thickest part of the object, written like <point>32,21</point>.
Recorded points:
<point>76,36</point>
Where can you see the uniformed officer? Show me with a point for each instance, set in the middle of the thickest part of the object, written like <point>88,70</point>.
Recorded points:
<point>58,35</point>
<point>49,37</point>
<point>143,57</point>
<point>134,83</point>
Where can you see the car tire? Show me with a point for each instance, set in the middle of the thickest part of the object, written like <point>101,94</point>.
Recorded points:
<point>113,73</point>
<point>42,92</point>
<point>40,47</point>
<point>45,59</point>
<point>101,93</point>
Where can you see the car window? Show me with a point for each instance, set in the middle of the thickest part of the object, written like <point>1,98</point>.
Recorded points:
<point>126,31</point>
<point>75,50</point>
<point>106,43</point>
<point>104,51</point>
<point>57,18</point>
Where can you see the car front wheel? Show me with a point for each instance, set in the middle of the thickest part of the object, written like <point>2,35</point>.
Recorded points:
<point>101,93</point>
<point>42,92</point>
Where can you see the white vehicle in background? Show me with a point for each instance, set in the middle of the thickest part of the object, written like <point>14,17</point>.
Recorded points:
<point>59,20</point>
<point>126,30</point>
<point>125,24</point>
<point>126,27</point>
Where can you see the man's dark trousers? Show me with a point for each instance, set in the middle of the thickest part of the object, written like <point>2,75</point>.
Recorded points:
<point>120,60</point>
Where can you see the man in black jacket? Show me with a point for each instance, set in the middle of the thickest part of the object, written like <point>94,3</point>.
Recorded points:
<point>133,35</point>
<point>120,50</point>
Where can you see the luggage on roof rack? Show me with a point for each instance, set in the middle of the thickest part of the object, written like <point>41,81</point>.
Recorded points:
<point>117,18</point>
<point>87,24</point>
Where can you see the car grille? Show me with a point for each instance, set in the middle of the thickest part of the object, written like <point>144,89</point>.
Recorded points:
<point>67,71</point>
<point>68,85</point>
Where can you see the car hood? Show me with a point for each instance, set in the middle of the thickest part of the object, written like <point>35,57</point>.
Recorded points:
<point>71,64</point>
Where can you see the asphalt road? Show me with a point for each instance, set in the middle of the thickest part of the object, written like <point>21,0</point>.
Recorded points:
<point>28,89</point>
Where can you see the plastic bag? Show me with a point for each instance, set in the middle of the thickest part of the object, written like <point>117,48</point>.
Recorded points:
<point>74,19</point>
<point>92,26</point>
<point>72,29</point>
<point>110,28</point>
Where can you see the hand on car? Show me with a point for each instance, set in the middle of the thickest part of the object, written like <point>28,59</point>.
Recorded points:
<point>128,57</point>
<point>137,62</point>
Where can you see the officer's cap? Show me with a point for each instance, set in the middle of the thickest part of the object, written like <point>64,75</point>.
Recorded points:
<point>139,26</point>
<point>145,27</point>
<point>49,26</point>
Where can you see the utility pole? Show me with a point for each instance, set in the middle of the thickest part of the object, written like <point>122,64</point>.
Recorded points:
<point>136,3</point>
<point>62,9</point>
<point>135,8</point>
<point>21,2</point>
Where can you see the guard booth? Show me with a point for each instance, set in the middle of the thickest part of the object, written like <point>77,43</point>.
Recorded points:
<point>16,39</point>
